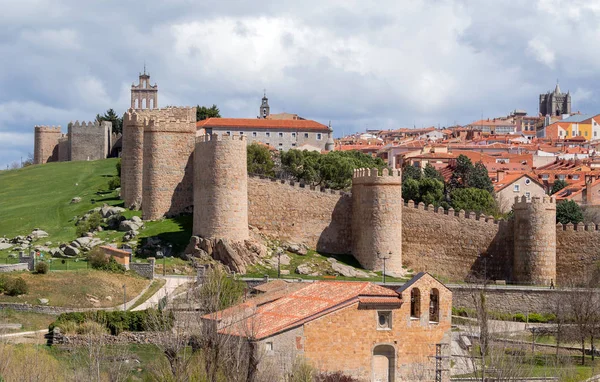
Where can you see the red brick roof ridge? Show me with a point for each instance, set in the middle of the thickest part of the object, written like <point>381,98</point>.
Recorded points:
<point>260,123</point>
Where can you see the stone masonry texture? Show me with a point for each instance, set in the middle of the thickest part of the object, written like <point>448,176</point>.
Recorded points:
<point>221,187</point>
<point>45,144</point>
<point>534,260</point>
<point>377,219</point>
<point>89,141</point>
<point>167,187</point>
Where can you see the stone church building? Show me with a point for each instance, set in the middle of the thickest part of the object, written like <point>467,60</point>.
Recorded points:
<point>555,103</point>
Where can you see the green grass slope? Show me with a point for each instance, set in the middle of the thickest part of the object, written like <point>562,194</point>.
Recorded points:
<point>39,196</point>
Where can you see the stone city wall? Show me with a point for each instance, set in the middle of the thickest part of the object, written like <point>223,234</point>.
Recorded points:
<point>168,170</point>
<point>577,253</point>
<point>290,211</point>
<point>64,148</point>
<point>89,141</point>
<point>453,244</point>
<point>45,144</point>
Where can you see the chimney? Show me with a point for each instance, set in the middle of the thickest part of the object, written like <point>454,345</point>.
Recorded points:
<point>588,193</point>
<point>500,175</point>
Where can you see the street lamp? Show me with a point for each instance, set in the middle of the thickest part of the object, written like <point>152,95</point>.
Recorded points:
<point>384,258</point>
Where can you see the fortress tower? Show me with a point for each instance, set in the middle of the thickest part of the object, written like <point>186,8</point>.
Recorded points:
<point>45,144</point>
<point>167,180</point>
<point>221,187</point>
<point>132,159</point>
<point>89,141</point>
<point>534,258</point>
<point>377,219</point>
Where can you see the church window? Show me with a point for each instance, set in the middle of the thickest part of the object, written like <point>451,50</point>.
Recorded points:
<point>293,135</point>
<point>434,305</point>
<point>268,134</point>
<point>415,303</point>
<point>384,320</point>
<point>305,135</point>
<point>280,135</point>
<point>254,134</point>
<point>319,136</point>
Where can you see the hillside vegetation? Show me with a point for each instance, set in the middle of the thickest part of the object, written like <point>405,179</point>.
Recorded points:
<point>39,196</point>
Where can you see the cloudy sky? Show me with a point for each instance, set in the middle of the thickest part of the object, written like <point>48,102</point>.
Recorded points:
<point>360,64</point>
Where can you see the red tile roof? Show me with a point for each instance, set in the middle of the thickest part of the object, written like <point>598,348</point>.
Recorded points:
<point>259,123</point>
<point>303,305</point>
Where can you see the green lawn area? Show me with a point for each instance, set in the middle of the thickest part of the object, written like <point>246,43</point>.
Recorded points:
<point>39,196</point>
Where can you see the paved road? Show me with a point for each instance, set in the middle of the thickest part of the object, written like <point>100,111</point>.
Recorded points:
<point>167,290</point>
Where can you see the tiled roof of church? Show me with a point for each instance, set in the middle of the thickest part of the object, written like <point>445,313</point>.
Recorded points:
<point>259,123</point>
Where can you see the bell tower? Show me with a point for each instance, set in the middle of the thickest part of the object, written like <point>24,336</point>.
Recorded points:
<point>144,95</point>
<point>264,106</point>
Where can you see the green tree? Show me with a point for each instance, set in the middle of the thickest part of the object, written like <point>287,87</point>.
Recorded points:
<point>111,116</point>
<point>431,191</point>
<point>473,199</point>
<point>411,172</point>
<point>463,170</point>
<point>203,112</point>
<point>478,178</point>
<point>568,211</point>
<point>260,161</point>
<point>557,186</point>
<point>431,173</point>
<point>410,190</point>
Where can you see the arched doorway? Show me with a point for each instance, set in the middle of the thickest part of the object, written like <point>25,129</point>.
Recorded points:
<point>384,363</point>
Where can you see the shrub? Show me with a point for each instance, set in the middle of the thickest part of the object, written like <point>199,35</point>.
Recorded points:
<point>114,183</point>
<point>3,281</point>
<point>519,317</point>
<point>42,268</point>
<point>99,260</point>
<point>118,166</point>
<point>91,223</point>
<point>337,376</point>
<point>91,327</point>
<point>16,287</point>
<point>115,321</point>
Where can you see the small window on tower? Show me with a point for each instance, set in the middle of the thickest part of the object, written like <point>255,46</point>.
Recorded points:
<point>268,134</point>
<point>280,135</point>
<point>254,134</point>
<point>319,136</point>
<point>305,135</point>
<point>293,135</point>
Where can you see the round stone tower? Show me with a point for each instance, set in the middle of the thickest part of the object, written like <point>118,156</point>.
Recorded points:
<point>132,159</point>
<point>534,260</point>
<point>221,187</point>
<point>45,144</point>
<point>377,219</point>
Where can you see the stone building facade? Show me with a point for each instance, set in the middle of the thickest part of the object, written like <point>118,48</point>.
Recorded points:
<point>143,95</point>
<point>555,103</point>
<point>535,240</point>
<point>366,331</point>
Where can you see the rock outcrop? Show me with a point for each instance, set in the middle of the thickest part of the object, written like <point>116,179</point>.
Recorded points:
<point>237,255</point>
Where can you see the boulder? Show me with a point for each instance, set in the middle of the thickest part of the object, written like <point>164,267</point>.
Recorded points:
<point>107,211</point>
<point>347,270</point>
<point>43,301</point>
<point>237,255</point>
<point>83,241</point>
<point>75,244</point>
<point>5,246</point>
<point>129,225</point>
<point>71,251</point>
<point>75,200</point>
<point>130,235</point>
<point>303,269</point>
<point>108,298</point>
<point>38,233</point>
<point>297,249</point>
<point>137,219</point>
<point>48,243</point>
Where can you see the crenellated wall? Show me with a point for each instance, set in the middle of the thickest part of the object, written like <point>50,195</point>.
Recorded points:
<point>64,149</point>
<point>45,144</point>
<point>89,140</point>
<point>318,218</point>
<point>167,183</point>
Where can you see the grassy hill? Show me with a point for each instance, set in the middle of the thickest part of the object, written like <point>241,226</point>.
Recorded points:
<point>39,196</point>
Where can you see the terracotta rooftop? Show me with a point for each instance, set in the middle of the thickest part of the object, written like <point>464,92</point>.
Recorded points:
<point>259,123</point>
<point>310,302</point>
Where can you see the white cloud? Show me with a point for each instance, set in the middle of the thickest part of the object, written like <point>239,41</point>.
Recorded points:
<point>541,51</point>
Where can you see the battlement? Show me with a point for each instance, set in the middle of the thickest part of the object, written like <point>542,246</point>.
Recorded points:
<point>132,117</point>
<point>373,175</point>
<point>577,227</point>
<point>94,124</point>
<point>47,129</point>
<point>523,203</point>
<point>299,186</point>
<point>219,137</point>
<point>451,212</point>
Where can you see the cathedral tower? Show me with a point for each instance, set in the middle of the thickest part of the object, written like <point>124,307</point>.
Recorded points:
<point>144,95</point>
<point>264,107</point>
<point>555,103</point>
